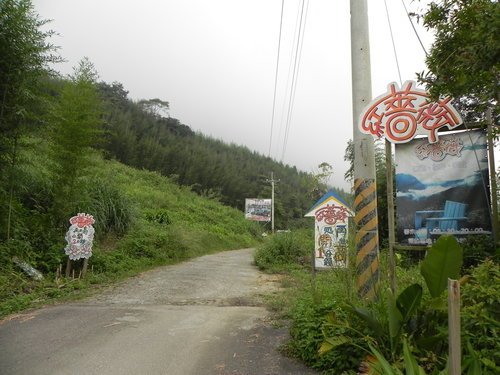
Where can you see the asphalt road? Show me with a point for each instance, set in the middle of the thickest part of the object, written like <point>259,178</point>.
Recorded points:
<point>195,318</point>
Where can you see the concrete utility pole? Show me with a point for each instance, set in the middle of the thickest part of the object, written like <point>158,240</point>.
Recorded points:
<point>365,200</point>
<point>272,181</point>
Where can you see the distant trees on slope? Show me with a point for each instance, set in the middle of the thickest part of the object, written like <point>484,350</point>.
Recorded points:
<point>142,138</point>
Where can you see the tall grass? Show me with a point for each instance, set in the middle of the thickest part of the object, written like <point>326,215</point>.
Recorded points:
<point>111,209</point>
<point>283,251</point>
<point>142,220</point>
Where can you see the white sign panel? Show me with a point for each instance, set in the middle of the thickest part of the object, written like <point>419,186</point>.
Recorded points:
<point>331,236</point>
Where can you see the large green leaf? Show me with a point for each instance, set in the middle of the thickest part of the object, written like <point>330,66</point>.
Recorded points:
<point>411,365</point>
<point>409,301</point>
<point>370,320</point>
<point>443,261</point>
<point>394,316</point>
<point>332,342</point>
<point>382,366</point>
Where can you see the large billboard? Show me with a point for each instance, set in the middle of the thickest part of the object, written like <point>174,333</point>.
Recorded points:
<point>442,188</point>
<point>258,209</point>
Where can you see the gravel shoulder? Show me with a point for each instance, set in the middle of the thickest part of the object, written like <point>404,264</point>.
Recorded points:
<point>203,316</point>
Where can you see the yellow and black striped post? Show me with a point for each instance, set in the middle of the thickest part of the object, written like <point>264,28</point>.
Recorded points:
<point>365,218</point>
<point>365,200</point>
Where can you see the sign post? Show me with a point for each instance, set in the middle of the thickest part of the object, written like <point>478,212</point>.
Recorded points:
<point>79,238</point>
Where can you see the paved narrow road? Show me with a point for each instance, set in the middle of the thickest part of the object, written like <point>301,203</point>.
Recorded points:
<point>195,318</point>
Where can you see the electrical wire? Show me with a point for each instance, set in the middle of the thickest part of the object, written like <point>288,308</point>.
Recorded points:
<point>294,77</point>
<point>287,86</point>
<point>393,43</point>
<point>414,29</point>
<point>289,116</point>
<point>276,78</point>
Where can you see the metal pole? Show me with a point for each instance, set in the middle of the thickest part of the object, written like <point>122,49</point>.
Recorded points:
<point>390,211</point>
<point>493,179</point>
<point>365,201</point>
<point>272,202</point>
<point>272,181</point>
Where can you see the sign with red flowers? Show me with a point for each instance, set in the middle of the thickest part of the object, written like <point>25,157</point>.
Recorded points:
<point>80,236</point>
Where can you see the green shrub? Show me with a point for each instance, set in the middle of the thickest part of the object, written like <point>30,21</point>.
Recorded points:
<point>159,216</point>
<point>285,249</point>
<point>477,249</point>
<point>481,315</point>
<point>328,293</point>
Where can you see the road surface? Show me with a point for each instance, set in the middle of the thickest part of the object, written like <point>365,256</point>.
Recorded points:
<point>198,317</point>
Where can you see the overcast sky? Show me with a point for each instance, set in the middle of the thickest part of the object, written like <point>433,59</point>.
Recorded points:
<point>215,61</point>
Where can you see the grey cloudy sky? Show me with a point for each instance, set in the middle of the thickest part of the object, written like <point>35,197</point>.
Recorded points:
<point>215,62</point>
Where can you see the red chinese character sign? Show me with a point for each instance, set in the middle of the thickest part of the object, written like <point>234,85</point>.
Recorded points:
<point>331,215</point>
<point>400,115</point>
<point>80,236</point>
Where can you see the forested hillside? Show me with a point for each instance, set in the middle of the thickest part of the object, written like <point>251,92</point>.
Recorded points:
<point>138,135</point>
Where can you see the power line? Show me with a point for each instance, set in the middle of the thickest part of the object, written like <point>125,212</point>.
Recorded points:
<point>276,78</point>
<point>294,77</point>
<point>414,29</point>
<point>294,90</point>
<point>393,43</point>
<point>288,79</point>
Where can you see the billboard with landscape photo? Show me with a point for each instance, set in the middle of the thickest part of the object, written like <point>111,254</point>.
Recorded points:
<point>258,209</point>
<point>442,188</point>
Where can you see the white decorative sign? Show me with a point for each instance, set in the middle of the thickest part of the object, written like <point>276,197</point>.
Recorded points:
<point>401,114</point>
<point>331,215</point>
<point>80,236</point>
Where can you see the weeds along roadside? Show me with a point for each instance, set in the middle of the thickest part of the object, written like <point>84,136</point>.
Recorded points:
<point>307,303</point>
<point>143,220</point>
<point>306,298</point>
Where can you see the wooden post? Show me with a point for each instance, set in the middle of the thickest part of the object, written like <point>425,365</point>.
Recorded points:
<point>68,267</point>
<point>493,180</point>
<point>454,327</point>
<point>313,264</point>
<point>85,265</point>
<point>390,216</point>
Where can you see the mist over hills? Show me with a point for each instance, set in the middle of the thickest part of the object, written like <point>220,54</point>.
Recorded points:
<point>141,137</point>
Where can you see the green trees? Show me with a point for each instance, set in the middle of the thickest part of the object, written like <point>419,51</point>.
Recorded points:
<point>24,60</point>
<point>139,135</point>
<point>76,120</point>
<point>156,107</point>
<point>464,60</point>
